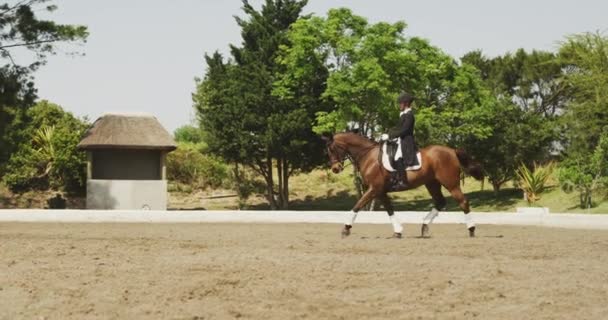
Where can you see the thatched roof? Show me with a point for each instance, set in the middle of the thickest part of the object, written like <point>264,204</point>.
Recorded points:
<point>122,131</point>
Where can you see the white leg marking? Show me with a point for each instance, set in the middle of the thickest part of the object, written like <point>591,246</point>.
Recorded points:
<point>431,216</point>
<point>469,220</point>
<point>350,218</point>
<point>396,224</point>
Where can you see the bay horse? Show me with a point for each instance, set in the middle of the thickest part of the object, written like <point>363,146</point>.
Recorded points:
<point>440,167</point>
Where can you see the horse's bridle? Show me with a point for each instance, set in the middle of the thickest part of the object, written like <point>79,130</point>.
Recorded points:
<point>347,155</point>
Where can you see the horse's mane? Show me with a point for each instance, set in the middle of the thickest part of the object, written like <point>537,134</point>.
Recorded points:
<point>355,136</point>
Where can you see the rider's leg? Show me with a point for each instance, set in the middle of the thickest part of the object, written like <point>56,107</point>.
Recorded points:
<point>401,174</point>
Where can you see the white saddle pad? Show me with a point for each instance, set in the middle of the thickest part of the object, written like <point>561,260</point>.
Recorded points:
<point>387,164</point>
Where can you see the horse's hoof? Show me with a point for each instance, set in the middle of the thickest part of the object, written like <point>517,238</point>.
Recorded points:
<point>346,231</point>
<point>424,232</point>
<point>397,235</point>
<point>472,232</point>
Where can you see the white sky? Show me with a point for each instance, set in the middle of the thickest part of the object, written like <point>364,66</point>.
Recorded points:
<point>143,55</point>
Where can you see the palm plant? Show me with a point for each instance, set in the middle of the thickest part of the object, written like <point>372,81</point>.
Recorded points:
<point>45,150</point>
<point>533,182</point>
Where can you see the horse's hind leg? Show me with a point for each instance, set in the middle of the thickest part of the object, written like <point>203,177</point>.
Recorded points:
<point>464,205</point>
<point>434,188</point>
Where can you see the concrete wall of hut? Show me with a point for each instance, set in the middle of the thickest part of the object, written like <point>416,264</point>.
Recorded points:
<point>126,179</point>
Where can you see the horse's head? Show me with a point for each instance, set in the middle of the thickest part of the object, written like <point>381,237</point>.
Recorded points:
<point>336,152</point>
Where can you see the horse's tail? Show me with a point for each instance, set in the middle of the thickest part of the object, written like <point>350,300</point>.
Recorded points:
<point>471,167</point>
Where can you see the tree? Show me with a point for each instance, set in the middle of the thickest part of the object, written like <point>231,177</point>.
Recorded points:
<point>585,57</point>
<point>367,66</point>
<point>242,120</point>
<point>529,95</point>
<point>20,28</point>
<point>585,121</point>
<point>585,175</point>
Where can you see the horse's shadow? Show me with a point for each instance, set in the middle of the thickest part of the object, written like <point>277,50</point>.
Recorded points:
<point>502,200</point>
<point>343,201</point>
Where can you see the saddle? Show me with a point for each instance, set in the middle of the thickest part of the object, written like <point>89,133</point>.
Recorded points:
<point>388,150</point>
<point>386,157</point>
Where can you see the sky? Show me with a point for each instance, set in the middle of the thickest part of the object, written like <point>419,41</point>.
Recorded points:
<point>142,56</point>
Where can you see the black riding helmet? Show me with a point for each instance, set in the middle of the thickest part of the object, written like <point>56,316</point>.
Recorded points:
<point>405,98</point>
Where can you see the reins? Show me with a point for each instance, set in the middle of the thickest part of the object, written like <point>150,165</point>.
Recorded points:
<point>355,159</point>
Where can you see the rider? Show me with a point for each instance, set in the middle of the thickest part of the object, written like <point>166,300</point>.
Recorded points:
<point>407,150</point>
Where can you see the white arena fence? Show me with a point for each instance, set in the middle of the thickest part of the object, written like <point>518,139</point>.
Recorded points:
<point>525,217</point>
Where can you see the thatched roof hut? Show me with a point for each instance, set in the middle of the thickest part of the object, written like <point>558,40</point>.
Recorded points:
<point>124,131</point>
<point>126,162</point>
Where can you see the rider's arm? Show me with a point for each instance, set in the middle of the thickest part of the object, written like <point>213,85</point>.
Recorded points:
<point>405,124</point>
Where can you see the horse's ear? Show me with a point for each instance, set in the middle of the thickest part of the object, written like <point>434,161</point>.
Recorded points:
<point>328,138</point>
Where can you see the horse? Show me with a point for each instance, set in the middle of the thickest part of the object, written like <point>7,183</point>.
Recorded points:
<point>441,166</point>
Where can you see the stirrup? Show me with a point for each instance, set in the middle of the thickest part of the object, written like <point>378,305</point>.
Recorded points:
<point>399,186</point>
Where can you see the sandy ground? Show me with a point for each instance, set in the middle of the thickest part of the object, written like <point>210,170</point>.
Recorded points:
<point>286,271</point>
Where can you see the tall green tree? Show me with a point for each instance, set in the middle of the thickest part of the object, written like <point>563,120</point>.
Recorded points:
<point>585,120</point>
<point>367,66</point>
<point>20,29</point>
<point>585,57</point>
<point>529,96</point>
<point>242,120</point>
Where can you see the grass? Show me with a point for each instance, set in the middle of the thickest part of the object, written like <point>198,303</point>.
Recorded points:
<point>320,191</point>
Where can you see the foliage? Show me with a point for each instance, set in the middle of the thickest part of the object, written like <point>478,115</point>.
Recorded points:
<point>187,165</point>
<point>585,121</point>
<point>242,121</point>
<point>20,29</point>
<point>529,95</point>
<point>17,93</point>
<point>191,136</point>
<point>586,59</point>
<point>533,182</point>
<point>51,160</point>
<point>368,65</point>
<point>518,137</point>
<point>188,133</point>
<point>587,176</point>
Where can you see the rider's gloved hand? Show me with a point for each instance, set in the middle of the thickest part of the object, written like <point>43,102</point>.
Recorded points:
<point>384,137</point>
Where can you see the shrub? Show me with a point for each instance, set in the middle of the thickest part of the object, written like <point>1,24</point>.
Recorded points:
<point>190,137</point>
<point>533,182</point>
<point>47,156</point>
<point>186,165</point>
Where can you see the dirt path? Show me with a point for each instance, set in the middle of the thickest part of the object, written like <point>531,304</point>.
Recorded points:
<point>217,271</point>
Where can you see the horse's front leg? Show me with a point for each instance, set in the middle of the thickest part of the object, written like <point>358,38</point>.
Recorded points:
<point>352,215</point>
<point>388,206</point>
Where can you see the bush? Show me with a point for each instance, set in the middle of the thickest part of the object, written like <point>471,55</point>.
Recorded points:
<point>47,156</point>
<point>190,137</point>
<point>188,134</point>
<point>186,165</point>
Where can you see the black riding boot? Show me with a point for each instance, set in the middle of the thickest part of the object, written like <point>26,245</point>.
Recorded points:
<point>401,178</point>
